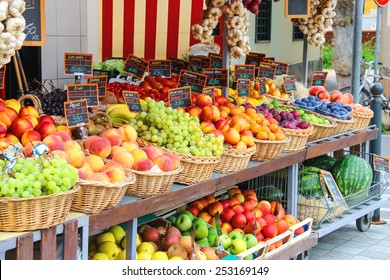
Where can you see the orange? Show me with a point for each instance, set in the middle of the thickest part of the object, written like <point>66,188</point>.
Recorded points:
<point>265,122</point>
<point>274,127</point>
<point>275,92</point>
<point>262,135</point>
<point>271,136</point>
<point>272,120</point>
<point>280,135</point>
<point>235,111</point>
<point>255,128</point>
<point>265,128</point>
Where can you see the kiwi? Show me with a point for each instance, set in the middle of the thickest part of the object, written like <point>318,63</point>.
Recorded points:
<point>99,120</point>
<point>100,128</point>
<point>92,129</point>
<point>107,125</point>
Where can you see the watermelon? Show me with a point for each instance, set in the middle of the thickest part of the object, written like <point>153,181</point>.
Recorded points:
<point>352,174</point>
<point>309,181</point>
<point>324,162</point>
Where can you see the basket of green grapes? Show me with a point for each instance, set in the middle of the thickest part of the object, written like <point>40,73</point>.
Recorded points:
<point>177,132</point>
<point>36,193</point>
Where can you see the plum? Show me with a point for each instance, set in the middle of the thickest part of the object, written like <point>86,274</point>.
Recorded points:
<point>289,117</point>
<point>277,117</point>
<point>248,105</point>
<point>303,124</point>
<point>296,114</point>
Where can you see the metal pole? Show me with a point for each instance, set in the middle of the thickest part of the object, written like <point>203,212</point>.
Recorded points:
<point>305,61</point>
<point>225,55</point>
<point>377,41</point>
<point>375,145</point>
<point>357,48</point>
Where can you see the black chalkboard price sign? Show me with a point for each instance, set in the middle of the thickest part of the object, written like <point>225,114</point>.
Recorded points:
<point>381,164</point>
<point>281,68</point>
<point>35,23</point>
<point>198,62</point>
<point>216,77</point>
<point>267,70</point>
<point>160,68</point>
<point>216,60</point>
<point>132,100</point>
<point>262,87</point>
<point>319,78</point>
<point>195,80</point>
<point>296,8</point>
<point>289,84</point>
<point>333,189</point>
<point>2,76</point>
<point>180,97</point>
<point>178,65</point>
<point>78,64</point>
<point>76,113</point>
<point>101,82</point>
<point>210,92</point>
<point>244,71</point>
<point>243,87</point>
<point>135,66</point>
<point>254,58</point>
<point>88,92</point>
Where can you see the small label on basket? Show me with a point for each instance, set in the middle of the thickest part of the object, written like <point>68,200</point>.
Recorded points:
<point>381,164</point>
<point>333,189</point>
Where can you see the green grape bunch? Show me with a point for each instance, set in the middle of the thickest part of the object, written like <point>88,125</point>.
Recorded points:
<point>33,177</point>
<point>175,130</point>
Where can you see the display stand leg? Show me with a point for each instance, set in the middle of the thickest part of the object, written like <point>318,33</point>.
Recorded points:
<point>292,193</point>
<point>131,239</point>
<point>225,56</point>
<point>24,80</point>
<point>17,72</point>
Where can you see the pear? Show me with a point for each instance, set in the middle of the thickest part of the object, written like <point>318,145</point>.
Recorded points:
<point>109,248</point>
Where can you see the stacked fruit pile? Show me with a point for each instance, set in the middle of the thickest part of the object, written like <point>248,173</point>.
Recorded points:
<point>175,130</point>
<point>335,109</point>
<point>310,102</point>
<point>108,245</point>
<point>305,115</point>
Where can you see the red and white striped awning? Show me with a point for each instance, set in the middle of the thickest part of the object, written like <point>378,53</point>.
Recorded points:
<point>152,29</point>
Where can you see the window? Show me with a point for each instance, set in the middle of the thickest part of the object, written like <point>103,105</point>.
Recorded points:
<point>297,34</point>
<point>263,22</point>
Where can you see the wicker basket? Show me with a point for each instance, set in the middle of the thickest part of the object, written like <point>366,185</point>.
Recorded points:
<point>267,149</point>
<point>95,196</point>
<point>195,169</point>
<point>58,120</point>
<point>362,118</point>
<point>233,160</point>
<point>344,125</point>
<point>299,138</point>
<point>271,98</point>
<point>22,214</point>
<point>149,184</point>
<point>322,130</point>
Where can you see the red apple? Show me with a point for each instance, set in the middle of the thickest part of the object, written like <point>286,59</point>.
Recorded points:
<point>248,215</point>
<point>225,203</point>
<point>205,216</point>
<point>215,207</point>
<point>238,209</point>
<point>281,225</point>
<point>270,231</point>
<point>238,221</point>
<point>226,227</point>
<point>248,205</point>
<point>227,215</point>
<point>203,100</point>
<point>151,234</point>
<point>269,218</point>
<point>194,210</point>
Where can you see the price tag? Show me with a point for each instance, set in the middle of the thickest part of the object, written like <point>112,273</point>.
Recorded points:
<point>210,92</point>
<point>216,77</point>
<point>78,64</point>
<point>195,80</point>
<point>197,63</point>
<point>180,97</point>
<point>101,82</point>
<point>178,65</point>
<point>244,71</point>
<point>319,78</point>
<point>160,68</point>
<point>216,60</point>
<point>281,68</point>
<point>132,100</point>
<point>254,58</point>
<point>243,87</point>
<point>76,113</point>
<point>263,88</point>
<point>333,189</point>
<point>88,92</point>
<point>381,164</point>
<point>135,66</point>
<point>289,84</point>
<point>267,70</point>
<point>2,76</point>
<point>268,59</point>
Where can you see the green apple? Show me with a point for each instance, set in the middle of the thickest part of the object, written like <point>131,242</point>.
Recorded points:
<point>238,246</point>
<point>225,239</point>
<point>201,230</point>
<point>172,219</point>
<point>188,213</point>
<point>235,235</point>
<point>212,230</point>
<point>197,221</point>
<point>211,237</point>
<point>203,242</point>
<point>105,236</point>
<point>100,257</point>
<point>118,233</point>
<point>249,257</point>
<point>183,222</point>
<point>186,233</point>
<point>250,240</point>
<point>110,249</point>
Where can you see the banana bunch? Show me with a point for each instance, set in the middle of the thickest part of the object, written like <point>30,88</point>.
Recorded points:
<point>120,113</point>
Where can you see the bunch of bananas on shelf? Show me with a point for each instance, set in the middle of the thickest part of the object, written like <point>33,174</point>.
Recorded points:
<point>119,113</point>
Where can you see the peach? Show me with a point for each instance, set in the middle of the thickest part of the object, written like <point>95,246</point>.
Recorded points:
<point>126,159</point>
<point>113,135</point>
<point>71,144</point>
<point>46,129</point>
<point>100,147</point>
<point>64,135</point>
<point>322,93</point>
<point>138,154</point>
<point>30,136</point>
<point>99,176</point>
<point>336,96</point>
<point>46,118</point>
<point>28,111</point>
<point>54,142</point>
<point>347,98</point>
<point>11,103</point>
<point>12,114</point>
<point>76,158</point>
<point>32,119</point>
<point>28,149</point>
<point>239,123</point>
<point>5,119</point>
<point>152,152</point>
<point>109,165</point>
<point>163,162</point>
<point>207,126</point>
<point>12,137</point>
<point>232,136</point>
<point>281,225</point>
<point>116,174</point>
<point>143,164</point>
<point>117,149</point>
<point>210,113</point>
<point>195,111</point>
<point>240,146</point>
<point>290,220</point>
<point>64,128</point>
<point>3,129</point>
<point>129,134</point>
<point>88,141</point>
<point>175,159</point>
<point>4,143</point>
<point>84,171</point>
<point>203,100</point>
<point>95,162</point>
<point>129,146</point>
